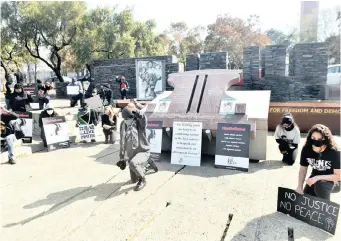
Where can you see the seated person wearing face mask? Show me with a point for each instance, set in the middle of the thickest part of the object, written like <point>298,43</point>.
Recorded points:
<point>323,155</point>
<point>288,137</point>
<point>48,112</point>
<point>87,116</point>
<point>19,99</point>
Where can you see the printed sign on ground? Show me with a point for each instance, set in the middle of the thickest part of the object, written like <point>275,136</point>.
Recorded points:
<point>154,135</point>
<point>315,211</point>
<point>34,106</point>
<point>72,90</point>
<point>186,143</point>
<point>56,132</point>
<point>87,132</point>
<point>26,125</point>
<point>232,146</point>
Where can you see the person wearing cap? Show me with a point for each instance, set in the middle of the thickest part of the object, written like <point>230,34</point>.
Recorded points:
<point>19,99</point>
<point>124,87</point>
<point>106,94</point>
<point>288,137</point>
<point>134,145</point>
<point>46,113</point>
<point>43,93</point>
<point>75,98</point>
<point>87,116</point>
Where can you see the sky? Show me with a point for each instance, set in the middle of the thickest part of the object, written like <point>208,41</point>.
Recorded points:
<point>279,14</point>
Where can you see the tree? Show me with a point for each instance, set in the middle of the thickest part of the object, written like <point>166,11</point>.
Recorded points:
<point>327,26</point>
<point>13,55</point>
<point>279,37</point>
<point>232,35</point>
<point>52,25</point>
<point>184,41</point>
<point>334,48</point>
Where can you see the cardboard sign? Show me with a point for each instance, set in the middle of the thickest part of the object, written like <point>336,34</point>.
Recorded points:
<point>27,128</point>
<point>72,90</point>
<point>87,132</point>
<point>315,211</point>
<point>34,106</point>
<point>232,146</point>
<point>186,143</point>
<point>154,135</point>
<point>56,132</point>
<point>94,103</point>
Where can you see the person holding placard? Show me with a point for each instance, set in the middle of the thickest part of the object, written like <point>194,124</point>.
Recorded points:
<point>134,145</point>
<point>80,97</point>
<point>109,124</point>
<point>322,154</point>
<point>87,116</point>
<point>47,113</point>
<point>288,137</point>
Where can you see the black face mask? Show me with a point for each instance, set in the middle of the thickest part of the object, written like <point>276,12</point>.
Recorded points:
<point>318,143</point>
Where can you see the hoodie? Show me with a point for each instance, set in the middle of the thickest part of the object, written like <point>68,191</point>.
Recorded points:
<point>18,101</point>
<point>138,122</point>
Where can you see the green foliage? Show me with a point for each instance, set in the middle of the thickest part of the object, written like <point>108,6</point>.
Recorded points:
<point>278,37</point>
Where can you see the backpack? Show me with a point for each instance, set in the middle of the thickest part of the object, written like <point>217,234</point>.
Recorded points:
<point>131,141</point>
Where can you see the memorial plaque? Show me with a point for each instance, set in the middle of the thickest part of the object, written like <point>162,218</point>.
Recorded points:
<point>154,136</point>
<point>232,146</point>
<point>186,144</point>
<point>315,211</point>
<point>197,97</point>
<point>56,132</point>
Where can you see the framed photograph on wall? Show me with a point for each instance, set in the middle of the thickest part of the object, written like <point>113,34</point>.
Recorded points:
<point>150,79</point>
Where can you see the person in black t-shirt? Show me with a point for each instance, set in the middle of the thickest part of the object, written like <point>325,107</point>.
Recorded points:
<point>322,154</point>
<point>42,90</point>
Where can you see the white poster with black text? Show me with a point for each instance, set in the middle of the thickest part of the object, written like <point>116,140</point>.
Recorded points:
<point>186,143</point>
<point>154,136</point>
<point>87,132</point>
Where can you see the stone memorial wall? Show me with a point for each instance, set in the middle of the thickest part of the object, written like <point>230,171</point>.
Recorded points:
<point>214,60</point>
<point>307,68</point>
<point>192,62</point>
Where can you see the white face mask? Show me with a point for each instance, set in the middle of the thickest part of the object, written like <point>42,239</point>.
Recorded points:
<point>50,112</point>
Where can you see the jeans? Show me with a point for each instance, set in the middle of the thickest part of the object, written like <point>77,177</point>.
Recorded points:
<point>123,94</point>
<point>290,157</point>
<point>42,102</point>
<point>321,189</point>
<point>10,140</point>
<point>138,162</point>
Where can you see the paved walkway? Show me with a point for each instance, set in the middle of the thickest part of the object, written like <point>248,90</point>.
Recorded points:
<point>78,194</point>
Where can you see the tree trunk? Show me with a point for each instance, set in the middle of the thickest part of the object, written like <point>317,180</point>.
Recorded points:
<point>28,73</point>
<point>7,77</point>
<point>35,71</point>
<point>58,74</point>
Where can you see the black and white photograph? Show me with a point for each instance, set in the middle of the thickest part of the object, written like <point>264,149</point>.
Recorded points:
<point>154,136</point>
<point>25,124</point>
<point>150,79</point>
<point>227,106</point>
<point>162,106</point>
<point>56,130</point>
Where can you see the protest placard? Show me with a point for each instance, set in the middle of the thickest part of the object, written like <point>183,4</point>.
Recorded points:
<point>87,132</point>
<point>26,126</point>
<point>154,136</point>
<point>315,211</point>
<point>56,132</point>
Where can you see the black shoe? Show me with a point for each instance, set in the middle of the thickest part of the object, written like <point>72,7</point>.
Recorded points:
<point>93,140</point>
<point>140,184</point>
<point>11,161</point>
<point>151,165</point>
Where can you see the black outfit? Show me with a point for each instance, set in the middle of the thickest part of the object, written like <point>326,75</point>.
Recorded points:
<point>124,86</point>
<point>19,101</point>
<point>76,98</point>
<point>42,115</point>
<point>42,99</point>
<point>109,133</point>
<point>322,163</point>
<point>8,94</point>
<point>106,96</point>
<point>6,128</point>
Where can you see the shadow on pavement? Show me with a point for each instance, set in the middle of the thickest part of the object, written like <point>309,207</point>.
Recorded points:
<point>62,199</point>
<point>275,227</point>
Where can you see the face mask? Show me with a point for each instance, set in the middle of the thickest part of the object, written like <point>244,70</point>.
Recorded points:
<point>317,143</point>
<point>50,112</point>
